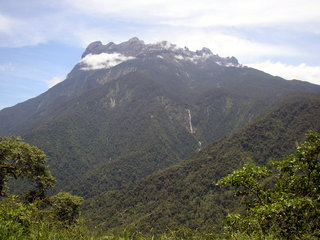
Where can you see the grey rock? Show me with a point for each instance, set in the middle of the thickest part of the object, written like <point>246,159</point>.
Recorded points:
<point>135,47</point>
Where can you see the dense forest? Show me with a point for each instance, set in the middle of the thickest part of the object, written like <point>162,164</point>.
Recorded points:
<point>186,194</point>
<point>185,199</point>
<point>157,148</point>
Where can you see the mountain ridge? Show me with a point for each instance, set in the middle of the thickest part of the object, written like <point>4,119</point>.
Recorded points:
<point>135,47</point>
<point>132,120</point>
<point>118,119</point>
<point>181,70</point>
<point>145,106</point>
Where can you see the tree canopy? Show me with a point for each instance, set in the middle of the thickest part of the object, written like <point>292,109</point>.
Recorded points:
<point>37,215</point>
<point>19,160</point>
<point>281,198</point>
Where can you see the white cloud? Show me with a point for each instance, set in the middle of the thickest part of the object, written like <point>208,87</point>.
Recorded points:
<point>224,45</point>
<point>55,80</point>
<point>90,20</point>
<point>194,59</point>
<point>5,23</point>
<point>204,13</point>
<point>17,32</point>
<point>6,66</point>
<point>300,72</point>
<point>103,60</point>
<point>236,13</point>
<point>199,23</point>
<point>226,27</point>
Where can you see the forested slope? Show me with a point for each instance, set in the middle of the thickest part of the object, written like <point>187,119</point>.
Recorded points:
<point>123,125</point>
<point>186,194</point>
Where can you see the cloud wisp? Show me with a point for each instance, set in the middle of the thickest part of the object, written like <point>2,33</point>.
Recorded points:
<point>203,13</point>
<point>300,72</point>
<point>251,32</point>
<point>54,81</point>
<point>103,61</point>
<point>6,66</point>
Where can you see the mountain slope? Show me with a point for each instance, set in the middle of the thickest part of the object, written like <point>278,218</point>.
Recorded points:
<point>186,194</point>
<point>224,114</point>
<point>128,110</point>
<point>220,111</point>
<point>185,73</point>
<point>130,126</point>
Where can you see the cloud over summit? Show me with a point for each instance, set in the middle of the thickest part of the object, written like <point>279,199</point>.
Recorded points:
<point>283,32</point>
<point>103,60</point>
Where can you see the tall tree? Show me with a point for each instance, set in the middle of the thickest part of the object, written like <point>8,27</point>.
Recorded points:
<point>19,160</point>
<point>288,204</point>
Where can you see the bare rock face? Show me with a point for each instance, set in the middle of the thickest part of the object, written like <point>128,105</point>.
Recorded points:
<point>136,47</point>
<point>130,48</point>
<point>93,48</point>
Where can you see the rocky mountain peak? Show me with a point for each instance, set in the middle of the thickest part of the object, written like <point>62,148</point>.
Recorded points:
<point>234,60</point>
<point>204,51</point>
<point>135,39</point>
<point>93,48</point>
<point>135,47</point>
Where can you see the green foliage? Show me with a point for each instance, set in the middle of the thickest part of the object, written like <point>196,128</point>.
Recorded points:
<point>249,178</point>
<point>19,160</point>
<point>174,233</point>
<point>66,208</point>
<point>91,143</point>
<point>290,207</point>
<point>110,143</point>
<point>37,216</point>
<point>186,194</point>
<point>221,111</point>
<point>94,145</point>
<point>15,217</point>
<point>19,220</point>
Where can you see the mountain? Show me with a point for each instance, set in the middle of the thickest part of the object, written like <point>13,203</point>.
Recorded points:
<point>184,72</point>
<point>185,195</point>
<point>123,127</point>
<point>103,63</point>
<point>126,111</point>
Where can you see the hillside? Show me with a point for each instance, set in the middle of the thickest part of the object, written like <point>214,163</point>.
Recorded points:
<point>185,73</point>
<point>186,194</point>
<point>123,126</point>
<point>129,110</point>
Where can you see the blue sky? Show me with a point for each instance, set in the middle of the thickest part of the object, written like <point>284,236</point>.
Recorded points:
<point>41,41</point>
